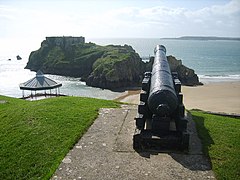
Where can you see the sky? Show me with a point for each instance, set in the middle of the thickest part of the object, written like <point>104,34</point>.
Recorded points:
<point>30,21</point>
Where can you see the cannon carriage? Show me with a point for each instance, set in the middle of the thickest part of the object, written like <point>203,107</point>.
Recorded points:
<point>161,122</point>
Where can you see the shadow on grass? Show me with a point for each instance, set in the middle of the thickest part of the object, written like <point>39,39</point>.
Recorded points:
<point>203,134</point>
<point>200,141</point>
<point>194,159</point>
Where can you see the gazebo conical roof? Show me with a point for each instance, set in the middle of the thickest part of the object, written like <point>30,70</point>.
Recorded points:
<point>40,82</point>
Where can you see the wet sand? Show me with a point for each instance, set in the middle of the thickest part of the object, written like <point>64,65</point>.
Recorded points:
<point>223,97</point>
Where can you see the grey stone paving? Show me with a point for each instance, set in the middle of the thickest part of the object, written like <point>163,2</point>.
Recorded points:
<point>105,152</point>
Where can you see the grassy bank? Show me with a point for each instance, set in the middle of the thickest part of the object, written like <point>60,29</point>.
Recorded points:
<point>36,136</point>
<point>221,142</point>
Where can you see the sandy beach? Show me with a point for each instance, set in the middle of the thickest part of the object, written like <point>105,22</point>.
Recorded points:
<point>221,97</point>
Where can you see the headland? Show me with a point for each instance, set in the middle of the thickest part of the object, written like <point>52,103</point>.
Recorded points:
<point>107,67</point>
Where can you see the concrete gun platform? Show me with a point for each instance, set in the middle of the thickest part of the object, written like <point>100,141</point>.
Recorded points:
<point>105,152</point>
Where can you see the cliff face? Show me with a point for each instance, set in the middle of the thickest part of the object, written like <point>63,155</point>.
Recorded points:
<point>186,75</point>
<point>69,57</point>
<point>107,67</point>
<point>120,67</point>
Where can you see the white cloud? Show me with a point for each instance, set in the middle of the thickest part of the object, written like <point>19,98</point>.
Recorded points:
<point>217,20</point>
<point>230,8</point>
<point>24,26</point>
<point>159,21</point>
<point>135,21</point>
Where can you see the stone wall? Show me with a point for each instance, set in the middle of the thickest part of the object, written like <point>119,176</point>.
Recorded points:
<point>64,41</point>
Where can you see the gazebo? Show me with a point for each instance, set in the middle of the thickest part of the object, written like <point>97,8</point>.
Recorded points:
<point>40,82</point>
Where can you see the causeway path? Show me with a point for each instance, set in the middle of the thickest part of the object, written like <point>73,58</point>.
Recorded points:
<point>105,153</point>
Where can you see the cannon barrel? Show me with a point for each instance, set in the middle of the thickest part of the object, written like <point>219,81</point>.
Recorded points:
<point>161,121</point>
<point>162,99</point>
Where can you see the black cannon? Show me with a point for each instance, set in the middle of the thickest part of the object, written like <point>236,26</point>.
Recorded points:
<point>161,122</point>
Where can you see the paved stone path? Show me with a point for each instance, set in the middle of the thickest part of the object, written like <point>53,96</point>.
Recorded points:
<point>105,152</point>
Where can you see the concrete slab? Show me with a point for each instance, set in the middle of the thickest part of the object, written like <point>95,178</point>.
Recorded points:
<point>105,152</point>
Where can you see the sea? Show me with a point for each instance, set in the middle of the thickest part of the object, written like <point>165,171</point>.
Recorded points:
<point>212,60</point>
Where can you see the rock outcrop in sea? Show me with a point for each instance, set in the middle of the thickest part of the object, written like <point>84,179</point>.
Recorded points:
<point>107,67</point>
<point>18,57</point>
<point>119,67</point>
<point>187,76</point>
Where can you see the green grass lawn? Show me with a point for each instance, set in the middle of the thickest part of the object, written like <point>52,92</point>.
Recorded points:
<point>35,136</point>
<point>221,142</point>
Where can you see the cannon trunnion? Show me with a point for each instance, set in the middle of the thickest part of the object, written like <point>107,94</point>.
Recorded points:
<point>161,122</point>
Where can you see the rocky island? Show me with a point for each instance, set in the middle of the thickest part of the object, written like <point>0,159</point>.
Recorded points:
<point>107,67</point>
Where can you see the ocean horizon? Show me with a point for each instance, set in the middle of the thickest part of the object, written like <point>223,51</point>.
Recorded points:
<point>213,61</point>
